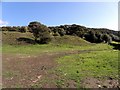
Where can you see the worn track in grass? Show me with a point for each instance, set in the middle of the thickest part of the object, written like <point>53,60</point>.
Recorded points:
<point>23,71</point>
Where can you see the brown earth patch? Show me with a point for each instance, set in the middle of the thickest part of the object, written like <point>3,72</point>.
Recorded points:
<point>91,82</point>
<point>21,70</point>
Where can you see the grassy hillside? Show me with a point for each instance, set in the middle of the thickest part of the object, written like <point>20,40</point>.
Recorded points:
<point>11,44</point>
<point>11,38</point>
<point>18,38</point>
<point>71,40</point>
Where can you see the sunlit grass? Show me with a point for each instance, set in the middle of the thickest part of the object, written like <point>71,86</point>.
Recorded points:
<point>34,49</point>
<point>97,64</point>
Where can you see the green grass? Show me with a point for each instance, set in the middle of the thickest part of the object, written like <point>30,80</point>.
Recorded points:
<point>36,49</point>
<point>69,40</point>
<point>113,42</point>
<point>58,44</point>
<point>97,64</point>
<point>71,67</point>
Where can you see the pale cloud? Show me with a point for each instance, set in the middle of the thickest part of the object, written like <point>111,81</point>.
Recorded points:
<point>3,23</point>
<point>113,27</point>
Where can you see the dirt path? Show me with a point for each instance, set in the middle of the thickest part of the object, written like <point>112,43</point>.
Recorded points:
<point>25,70</point>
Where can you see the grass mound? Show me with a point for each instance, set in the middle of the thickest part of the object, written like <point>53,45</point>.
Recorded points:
<point>71,40</point>
<point>12,38</point>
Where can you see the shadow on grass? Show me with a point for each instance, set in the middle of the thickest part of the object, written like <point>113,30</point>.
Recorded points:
<point>26,40</point>
<point>116,46</point>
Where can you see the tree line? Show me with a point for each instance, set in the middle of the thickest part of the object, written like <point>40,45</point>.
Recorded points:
<point>43,34</point>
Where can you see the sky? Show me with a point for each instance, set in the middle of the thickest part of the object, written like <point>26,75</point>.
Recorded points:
<point>60,0</point>
<point>89,14</point>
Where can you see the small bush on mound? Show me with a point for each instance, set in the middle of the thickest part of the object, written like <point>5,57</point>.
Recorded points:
<point>40,32</point>
<point>44,38</point>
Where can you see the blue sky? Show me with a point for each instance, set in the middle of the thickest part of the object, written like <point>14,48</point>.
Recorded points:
<point>90,14</point>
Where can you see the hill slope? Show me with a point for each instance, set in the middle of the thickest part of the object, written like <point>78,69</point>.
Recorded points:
<point>17,38</point>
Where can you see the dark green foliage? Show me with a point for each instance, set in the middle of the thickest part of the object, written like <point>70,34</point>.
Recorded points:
<point>8,28</point>
<point>99,37</point>
<point>34,25</point>
<point>34,28</point>
<point>15,28</point>
<point>23,29</point>
<point>90,36</point>
<point>44,37</point>
<point>40,32</point>
<point>80,34</point>
<point>61,31</point>
<point>106,38</point>
<point>58,31</point>
<point>115,38</point>
<point>93,35</point>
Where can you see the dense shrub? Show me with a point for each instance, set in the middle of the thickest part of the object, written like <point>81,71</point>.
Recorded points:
<point>61,31</point>
<point>90,36</point>
<point>106,38</point>
<point>115,38</point>
<point>80,34</point>
<point>23,29</point>
<point>40,32</point>
<point>9,28</point>
<point>44,38</point>
<point>99,37</point>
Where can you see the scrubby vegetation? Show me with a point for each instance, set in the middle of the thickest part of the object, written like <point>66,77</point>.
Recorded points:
<point>43,33</point>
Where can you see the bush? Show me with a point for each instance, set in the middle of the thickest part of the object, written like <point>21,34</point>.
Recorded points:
<point>90,36</point>
<point>106,38</point>
<point>9,28</point>
<point>115,38</point>
<point>23,29</point>
<point>44,38</point>
<point>40,32</point>
<point>61,31</point>
<point>99,37</point>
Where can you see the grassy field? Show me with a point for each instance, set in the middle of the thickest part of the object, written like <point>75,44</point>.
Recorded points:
<point>66,62</point>
<point>34,49</point>
<point>100,63</point>
<point>96,64</point>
